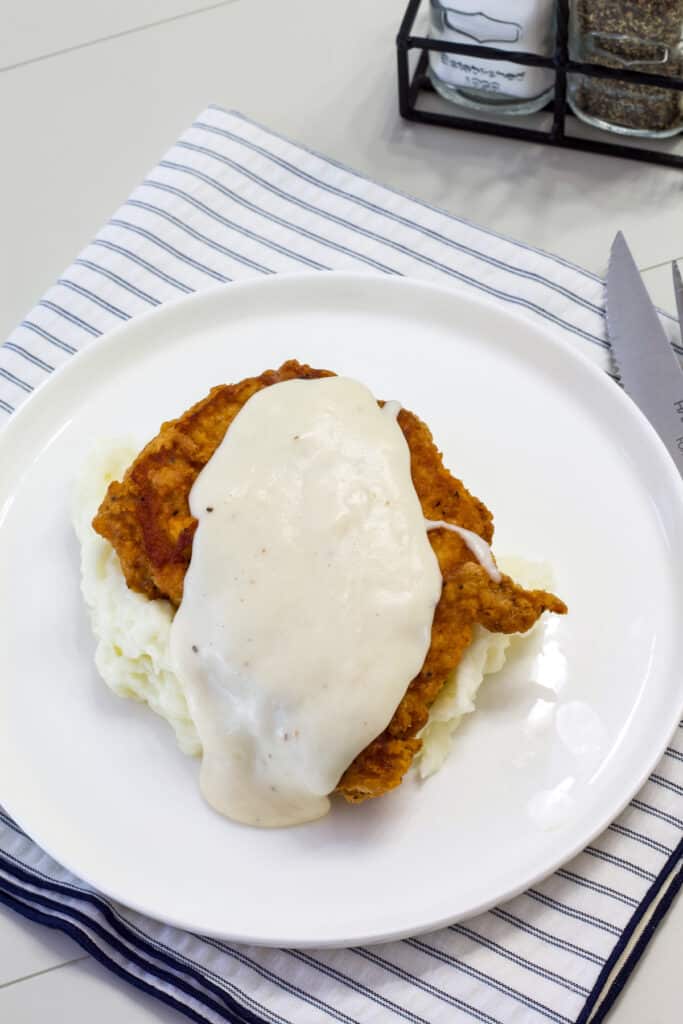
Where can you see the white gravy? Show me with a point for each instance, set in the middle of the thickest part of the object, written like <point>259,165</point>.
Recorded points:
<point>477,545</point>
<point>392,409</point>
<point>308,604</point>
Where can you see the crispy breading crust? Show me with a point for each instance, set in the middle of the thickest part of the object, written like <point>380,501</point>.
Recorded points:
<point>147,516</point>
<point>147,519</point>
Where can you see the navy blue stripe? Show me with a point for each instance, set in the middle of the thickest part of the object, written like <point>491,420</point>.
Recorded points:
<point>118,280</point>
<point>79,936</point>
<point>298,229</point>
<point>199,237</point>
<point>145,264</point>
<point>79,289</point>
<point>666,784</point>
<point>13,825</point>
<point>605,975</point>
<point>487,979</point>
<point>670,819</point>
<point>436,236</point>
<point>521,961</point>
<point>419,202</point>
<point>640,838</point>
<point>551,940</point>
<point>45,903</point>
<point>663,780</point>
<point>6,406</point>
<point>171,250</point>
<point>374,958</point>
<point>53,339</point>
<point>356,986</point>
<point>578,915</point>
<point>28,356</point>
<point>641,945</point>
<point>605,890</point>
<point>164,954</point>
<point>260,239</point>
<point>399,247</point>
<point>620,862</point>
<point>17,381</point>
<point>282,983</point>
<point>71,317</point>
<point>272,217</point>
<point>215,982</point>
<point>670,752</point>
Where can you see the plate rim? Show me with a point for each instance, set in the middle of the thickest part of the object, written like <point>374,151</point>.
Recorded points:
<point>92,352</point>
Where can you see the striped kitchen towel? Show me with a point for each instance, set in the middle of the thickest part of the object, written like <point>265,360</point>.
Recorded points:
<point>229,201</point>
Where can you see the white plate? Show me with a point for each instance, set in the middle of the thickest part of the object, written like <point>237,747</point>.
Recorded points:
<point>560,742</point>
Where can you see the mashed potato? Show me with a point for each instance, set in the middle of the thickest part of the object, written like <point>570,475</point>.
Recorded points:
<point>485,656</point>
<point>132,632</point>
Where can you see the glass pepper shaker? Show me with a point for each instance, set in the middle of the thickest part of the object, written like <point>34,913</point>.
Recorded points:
<point>492,85</point>
<point>634,35</point>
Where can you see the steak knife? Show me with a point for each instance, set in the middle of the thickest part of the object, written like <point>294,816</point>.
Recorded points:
<point>646,363</point>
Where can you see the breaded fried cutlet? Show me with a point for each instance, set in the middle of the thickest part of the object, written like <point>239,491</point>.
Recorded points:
<point>147,519</point>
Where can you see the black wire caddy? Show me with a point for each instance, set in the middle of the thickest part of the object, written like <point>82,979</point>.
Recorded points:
<point>411,86</point>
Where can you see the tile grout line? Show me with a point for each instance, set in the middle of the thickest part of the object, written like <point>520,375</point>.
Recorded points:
<point>116,35</point>
<point>46,970</point>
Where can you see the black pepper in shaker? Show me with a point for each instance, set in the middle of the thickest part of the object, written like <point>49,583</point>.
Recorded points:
<point>635,35</point>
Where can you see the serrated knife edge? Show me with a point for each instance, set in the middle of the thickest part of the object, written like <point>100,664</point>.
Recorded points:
<point>644,360</point>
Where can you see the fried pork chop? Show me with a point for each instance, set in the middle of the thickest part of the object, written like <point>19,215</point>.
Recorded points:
<point>147,519</point>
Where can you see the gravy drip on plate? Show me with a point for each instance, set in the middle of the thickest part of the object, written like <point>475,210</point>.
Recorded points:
<point>308,604</point>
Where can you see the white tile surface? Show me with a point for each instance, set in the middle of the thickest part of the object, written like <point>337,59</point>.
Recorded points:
<point>84,991</point>
<point>36,28</point>
<point>83,127</point>
<point>81,993</point>
<point>26,949</point>
<point>660,286</point>
<point>83,133</point>
<point>655,990</point>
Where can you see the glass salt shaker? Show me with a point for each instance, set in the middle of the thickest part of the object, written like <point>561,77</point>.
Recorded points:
<point>492,85</point>
<point>634,35</point>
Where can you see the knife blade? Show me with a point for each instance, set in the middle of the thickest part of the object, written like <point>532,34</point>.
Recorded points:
<point>645,361</point>
<point>678,289</point>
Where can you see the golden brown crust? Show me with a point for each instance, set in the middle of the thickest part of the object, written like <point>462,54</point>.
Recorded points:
<point>148,521</point>
<point>468,597</point>
<point>147,517</point>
